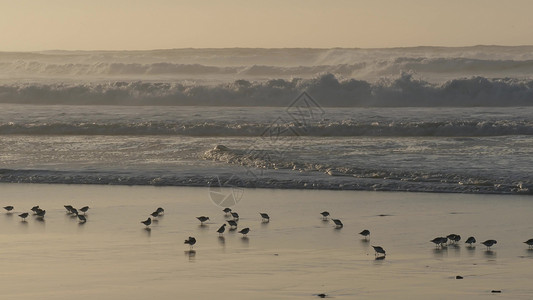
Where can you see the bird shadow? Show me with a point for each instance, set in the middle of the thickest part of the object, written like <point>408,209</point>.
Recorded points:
<point>365,242</point>
<point>264,224</point>
<point>489,253</point>
<point>245,240</point>
<point>222,240</point>
<point>191,254</point>
<point>440,251</point>
<point>148,231</point>
<point>203,227</point>
<point>381,257</point>
<point>529,252</point>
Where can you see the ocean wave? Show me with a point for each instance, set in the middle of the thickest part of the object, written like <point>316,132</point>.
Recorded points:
<point>329,90</point>
<point>376,182</point>
<point>290,128</point>
<point>350,69</point>
<point>258,160</point>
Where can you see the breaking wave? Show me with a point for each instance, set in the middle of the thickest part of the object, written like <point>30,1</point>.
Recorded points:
<point>405,90</point>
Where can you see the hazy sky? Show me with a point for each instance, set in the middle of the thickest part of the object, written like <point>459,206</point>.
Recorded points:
<point>30,25</point>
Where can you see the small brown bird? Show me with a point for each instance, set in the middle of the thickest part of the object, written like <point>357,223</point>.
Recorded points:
<point>84,209</point>
<point>191,241</point>
<point>365,233</point>
<point>24,216</point>
<point>245,231</point>
<point>338,223</point>
<point>147,222</point>
<point>379,250</point>
<point>222,229</point>
<point>202,219</point>
<point>489,243</point>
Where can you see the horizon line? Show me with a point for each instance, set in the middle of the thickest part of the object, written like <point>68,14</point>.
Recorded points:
<point>264,48</point>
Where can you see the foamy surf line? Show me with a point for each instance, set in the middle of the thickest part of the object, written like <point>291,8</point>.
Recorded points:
<point>276,179</point>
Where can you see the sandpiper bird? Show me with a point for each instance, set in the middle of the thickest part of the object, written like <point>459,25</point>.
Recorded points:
<point>439,241</point>
<point>67,207</point>
<point>529,243</point>
<point>227,210</point>
<point>222,229</point>
<point>378,250</point>
<point>155,214</point>
<point>245,231</point>
<point>232,223</point>
<point>365,233</point>
<point>265,216</point>
<point>325,215</point>
<point>470,240</point>
<point>454,237</point>
<point>9,208</point>
<point>160,210</point>
<point>202,219</point>
<point>338,223</point>
<point>191,241</point>
<point>147,222</point>
<point>235,215</point>
<point>489,243</point>
<point>23,216</point>
<point>40,213</point>
<point>84,209</point>
<point>82,218</point>
<point>35,208</point>
<point>74,211</point>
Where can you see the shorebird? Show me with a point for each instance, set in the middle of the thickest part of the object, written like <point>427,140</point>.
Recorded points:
<point>338,223</point>
<point>245,231</point>
<point>379,250</point>
<point>191,241</point>
<point>365,233</point>
<point>147,222</point>
<point>489,243</point>
<point>470,240</point>
<point>155,214</point>
<point>74,211</point>
<point>454,238</point>
<point>202,219</point>
<point>35,208</point>
<point>265,216</point>
<point>160,210</point>
<point>235,215</point>
<point>9,208</point>
<point>232,224</point>
<point>84,209</point>
<point>23,216</point>
<point>529,243</point>
<point>82,218</point>
<point>222,229</point>
<point>40,213</point>
<point>227,210</point>
<point>439,241</point>
<point>67,207</point>
<point>325,215</point>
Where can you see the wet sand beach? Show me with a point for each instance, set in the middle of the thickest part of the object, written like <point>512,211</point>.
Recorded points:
<point>296,255</point>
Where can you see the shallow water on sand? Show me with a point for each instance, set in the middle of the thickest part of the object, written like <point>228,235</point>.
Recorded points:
<point>294,256</point>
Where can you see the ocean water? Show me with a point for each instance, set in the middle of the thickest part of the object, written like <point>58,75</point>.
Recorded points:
<point>410,119</point>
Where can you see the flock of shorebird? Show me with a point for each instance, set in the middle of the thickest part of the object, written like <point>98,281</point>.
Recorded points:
<point>440,241</point>
<point>39,212</point>
<point>379,251</point>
